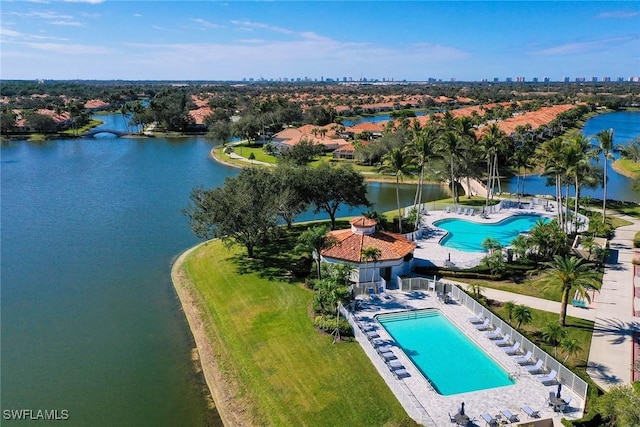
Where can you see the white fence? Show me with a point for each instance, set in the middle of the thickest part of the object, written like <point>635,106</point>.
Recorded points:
<point>565,376</point>
<point>365,288</point>
<point>406,398</point>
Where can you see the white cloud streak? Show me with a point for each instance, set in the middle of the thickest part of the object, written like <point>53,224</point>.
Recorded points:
<point>619,14</point>
<point>583,47</point>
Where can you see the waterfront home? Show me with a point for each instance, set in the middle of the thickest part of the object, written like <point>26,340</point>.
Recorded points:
<point>395,254</point>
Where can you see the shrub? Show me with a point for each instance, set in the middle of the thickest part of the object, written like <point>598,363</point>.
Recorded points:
<point>327,323</point>
<point>636,240</point>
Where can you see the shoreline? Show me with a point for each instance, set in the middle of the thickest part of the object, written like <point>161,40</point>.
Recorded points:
<point>221,390</point>
<point>622,171</point>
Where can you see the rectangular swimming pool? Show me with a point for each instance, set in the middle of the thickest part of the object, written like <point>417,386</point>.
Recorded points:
<point>450,361</point>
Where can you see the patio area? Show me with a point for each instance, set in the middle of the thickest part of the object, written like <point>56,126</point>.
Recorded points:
<point>416,393</point>
<point>430,252</point>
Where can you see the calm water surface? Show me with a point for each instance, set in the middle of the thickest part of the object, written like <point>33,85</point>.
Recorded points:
<point>90,320</point>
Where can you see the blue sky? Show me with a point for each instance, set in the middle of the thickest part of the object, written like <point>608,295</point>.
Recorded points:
<point>232,40</point>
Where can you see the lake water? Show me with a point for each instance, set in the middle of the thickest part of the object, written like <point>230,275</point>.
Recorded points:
<point>626,126</point>
<point>90,320</point>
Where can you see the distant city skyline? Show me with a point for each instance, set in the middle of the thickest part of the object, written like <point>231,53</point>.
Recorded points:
<point>274,41</point>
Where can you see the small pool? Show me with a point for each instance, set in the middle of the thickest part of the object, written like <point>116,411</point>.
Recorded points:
<point>449,360</point>
<point>468,236</point>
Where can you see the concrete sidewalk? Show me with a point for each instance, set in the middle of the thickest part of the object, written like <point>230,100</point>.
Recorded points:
<point>611,354</point>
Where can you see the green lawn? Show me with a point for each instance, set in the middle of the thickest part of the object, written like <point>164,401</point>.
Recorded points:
<point>288,373</point>
<point>628,166</point>
<point>579,329</point>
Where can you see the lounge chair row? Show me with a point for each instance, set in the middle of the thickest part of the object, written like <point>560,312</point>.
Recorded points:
<point>510,348</point>
<point>505,414</point>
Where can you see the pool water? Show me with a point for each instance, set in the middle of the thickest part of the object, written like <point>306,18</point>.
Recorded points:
<point>449,360</point>
<point>468,236</point>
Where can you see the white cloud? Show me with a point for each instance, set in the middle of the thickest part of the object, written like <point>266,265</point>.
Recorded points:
<point>619,14</point>
<point>257,25</point>
<point>205,23</point>
<point>69,49</point>
<point>583,47</point>
<point>67,23</point>
<point>85,1</point>
<point>17,35</point>
<point>138,15</point>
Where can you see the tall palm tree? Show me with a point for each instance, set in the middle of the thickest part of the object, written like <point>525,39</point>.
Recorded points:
<point>492,141</point>
<point>424,147</point>
<point>550,156</point>
<point>370,253</point>
<point>607,149</point>
<point>578,153</point>
<point>569,273</point>
<point>397,163</point>
<point>453,148</point>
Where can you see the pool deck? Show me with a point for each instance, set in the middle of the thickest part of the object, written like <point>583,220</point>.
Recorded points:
<point>430,252</point>
<point>527,390</point>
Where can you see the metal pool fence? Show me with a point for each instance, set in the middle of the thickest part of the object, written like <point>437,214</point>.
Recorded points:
<point>565,376</point>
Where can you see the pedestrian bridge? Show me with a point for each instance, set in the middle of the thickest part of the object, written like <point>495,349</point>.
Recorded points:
<point>93,132</point>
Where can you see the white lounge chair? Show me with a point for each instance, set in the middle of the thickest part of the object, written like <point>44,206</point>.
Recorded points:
<point>524,360</point>
<point>513,349</point>
<point>491,421</point>
<point>533,369</point>
<point>495,334</point>
<point>549,378</point>
<point>512,418</point>
<point>530,412</point>
<point>384,349</point>
<point>504,341</point>
<point>479,318</point>
<point>459,211</point>
<point>472,212</point>
<point>394,364</point>
<point>483,326</point>
<point>401,373</point>
<point>388,355</point>
<point>465,211</point>
<point>372,334</point>
<point>447,209</point>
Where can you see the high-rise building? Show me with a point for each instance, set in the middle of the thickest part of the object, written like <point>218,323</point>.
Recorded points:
<point>567,79</point>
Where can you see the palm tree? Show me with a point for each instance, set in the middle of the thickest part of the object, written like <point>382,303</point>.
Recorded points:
<point>522,314</point>
<point>424,147</point>
<point>550,156</point>
<point>452,146</point>
<point>579,153</point>
<point>606,148</point>
<point>370,253</point>
<point>491,244</point>
<point>492,141</point>
<point>397,163</point>
<point>571,347</point>
<point>509,306</point>
<point>569,273</point>
<point>553,333</point>
<point>314,240</point>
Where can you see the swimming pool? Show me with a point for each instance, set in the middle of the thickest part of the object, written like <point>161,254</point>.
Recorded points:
<point>449,360</point>
<point>468,236</point>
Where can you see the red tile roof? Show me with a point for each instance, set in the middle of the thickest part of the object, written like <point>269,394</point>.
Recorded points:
<point>200,114</point>
<point>363,221</point>
<point>392,246</point>
<point>94,104</point>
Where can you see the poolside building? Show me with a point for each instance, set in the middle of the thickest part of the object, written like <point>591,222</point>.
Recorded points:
<point>395,259</point>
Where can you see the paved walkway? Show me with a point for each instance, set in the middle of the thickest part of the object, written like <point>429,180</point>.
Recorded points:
<point>611,353</point>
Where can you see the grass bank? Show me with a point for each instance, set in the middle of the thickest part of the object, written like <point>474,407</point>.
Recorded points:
<point>276,368</point>
<point>626,167</point>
